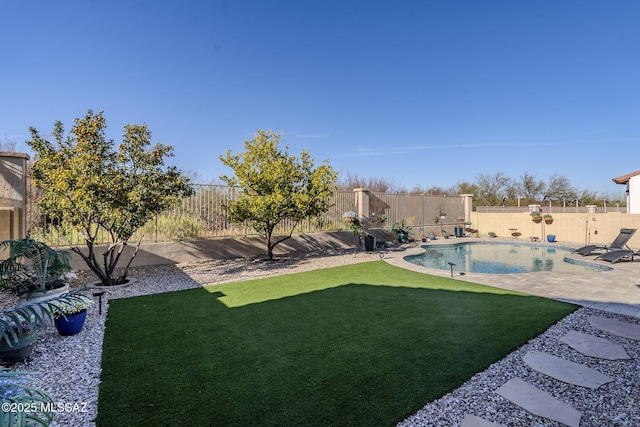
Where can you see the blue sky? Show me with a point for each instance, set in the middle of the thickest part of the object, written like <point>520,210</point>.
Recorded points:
<point>427,93</point>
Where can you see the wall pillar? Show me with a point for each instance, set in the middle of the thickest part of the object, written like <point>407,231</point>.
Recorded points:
<point>467,206</point>
<point>13,192</point>
<point>362,206</point>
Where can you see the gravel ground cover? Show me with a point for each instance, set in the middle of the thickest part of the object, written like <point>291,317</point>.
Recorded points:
<point>69,367</point>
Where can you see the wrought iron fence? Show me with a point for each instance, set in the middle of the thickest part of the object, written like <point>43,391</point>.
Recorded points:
<point>203,215</point>
<point>200,216</point>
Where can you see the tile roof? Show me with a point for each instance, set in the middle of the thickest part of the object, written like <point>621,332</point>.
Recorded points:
<point>625,178</point>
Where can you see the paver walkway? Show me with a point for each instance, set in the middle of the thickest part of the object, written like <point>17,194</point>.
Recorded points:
<point>617,291</point>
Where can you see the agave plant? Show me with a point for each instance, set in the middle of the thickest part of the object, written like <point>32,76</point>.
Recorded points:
<point>32,266</point>
<point>23,404</point>
<point>20,325</point>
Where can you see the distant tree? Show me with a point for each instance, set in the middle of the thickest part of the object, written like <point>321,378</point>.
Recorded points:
<point>558,188</point>
<point>347,182</point>
<point>9,144</point>
<point>90,184</point>
<point>492,188</point>
<point>466,188</point>
<point>434,191</point>
<point>530,188</point>
<point>276,186</point>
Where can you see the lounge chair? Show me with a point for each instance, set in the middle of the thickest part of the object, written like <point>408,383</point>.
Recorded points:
<point>620,243</point>
<point>615,256</point>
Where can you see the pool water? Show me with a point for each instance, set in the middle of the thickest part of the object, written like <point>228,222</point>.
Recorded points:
<point>501,258</point>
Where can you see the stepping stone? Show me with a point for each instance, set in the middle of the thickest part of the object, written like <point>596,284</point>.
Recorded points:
<point>469,420</point>
<point>593,346</point>
<point>616,327</point>
<point>539,402</point>
<point>565,370</point>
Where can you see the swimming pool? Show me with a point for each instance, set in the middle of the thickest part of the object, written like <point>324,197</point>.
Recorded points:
<point>501,258</point>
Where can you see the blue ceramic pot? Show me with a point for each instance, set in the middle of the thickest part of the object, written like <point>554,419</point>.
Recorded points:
<point>72,324</point>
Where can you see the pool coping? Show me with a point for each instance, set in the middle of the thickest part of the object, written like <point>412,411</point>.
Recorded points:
<point>617,290</point>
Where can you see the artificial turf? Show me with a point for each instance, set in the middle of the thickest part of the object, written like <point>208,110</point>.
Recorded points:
<point>360,345</point>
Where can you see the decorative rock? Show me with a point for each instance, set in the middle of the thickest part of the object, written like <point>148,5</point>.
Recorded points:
<point>564,370</point>
<point>539,402</point>
<point>616,327</point>
<point>593,346</point>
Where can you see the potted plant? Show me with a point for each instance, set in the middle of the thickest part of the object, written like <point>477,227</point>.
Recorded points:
<point>536,217</point>
<point>492,234</point>
<point>16,391</point>
<point>19,330</point>
<point>432,236</point>
<point>354,224</point>
<point>33,271</point>
<point>460,219</point>
<point>402,231</point>
<point>551,238</point>
<point>369,242</point>
<point>548,218</point>
<point>70,311</point>
<point>467,224</point>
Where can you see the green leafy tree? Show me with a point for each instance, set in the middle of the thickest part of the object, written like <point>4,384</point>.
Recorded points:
<point>89,183</point>
<point>276,186</point>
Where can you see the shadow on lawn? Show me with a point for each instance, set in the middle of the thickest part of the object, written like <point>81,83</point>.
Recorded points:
<point>354,354</point>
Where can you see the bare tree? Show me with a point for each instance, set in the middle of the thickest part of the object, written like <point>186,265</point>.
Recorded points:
<point>492,188</point>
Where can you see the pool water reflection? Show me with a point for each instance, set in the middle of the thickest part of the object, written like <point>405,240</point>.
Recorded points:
<point>500,258</point>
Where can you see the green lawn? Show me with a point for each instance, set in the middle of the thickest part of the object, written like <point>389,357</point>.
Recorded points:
<point>367,344</point>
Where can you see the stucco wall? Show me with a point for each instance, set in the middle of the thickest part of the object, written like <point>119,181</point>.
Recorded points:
<point>13,172</point>
<point>571,228</point>
<point>633,201</point>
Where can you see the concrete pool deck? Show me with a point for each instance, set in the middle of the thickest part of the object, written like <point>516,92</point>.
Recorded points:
<point>617,291</point>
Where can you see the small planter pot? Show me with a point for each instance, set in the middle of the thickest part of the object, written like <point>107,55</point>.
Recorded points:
<point>20,351</point>
<point>72,325</point>
<point>43,296</point>
<point>551,238</point>
<point>369,243</point>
